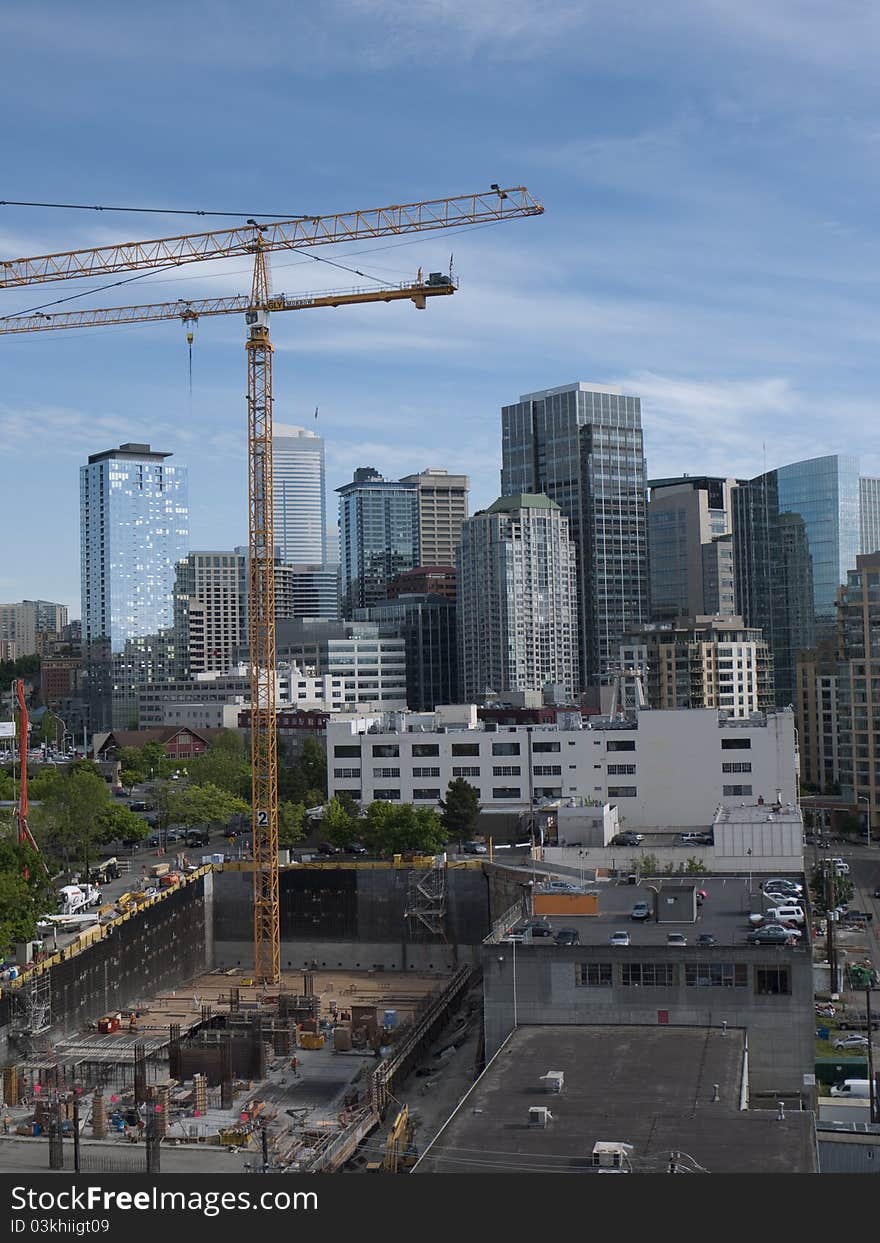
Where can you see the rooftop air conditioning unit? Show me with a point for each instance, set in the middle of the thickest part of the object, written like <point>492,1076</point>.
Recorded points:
<point>553,1080</point>
<point>539,1116</point>
<point>611,1154</point>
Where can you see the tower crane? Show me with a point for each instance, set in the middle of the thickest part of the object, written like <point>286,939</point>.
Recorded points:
<point>259,240</point>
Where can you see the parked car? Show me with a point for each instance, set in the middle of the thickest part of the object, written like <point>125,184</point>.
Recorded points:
<point>676,938</point>
<point>877,892</point>
<point>627,839</point>
<point>690,839</point>
<point>773,935</point>
<point>474,848</point>
<point>706,839</point>
<point>641,910</point>
<point>327,848</point>
<point>540,928</point>
<point>858,1021</point>
<point>197,837</point>
<point>851,1042</point>
<point>139,805</point>
<point>841,866</point>
<point>619,938</point>
<point>357,848</point>
<point>562,886</point>
<point>568,936</point>
<point>706,939</point>
<point>789,929</point>
<point>783,883</point>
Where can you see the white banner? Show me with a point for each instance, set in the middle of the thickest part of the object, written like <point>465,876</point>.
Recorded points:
<point>7,729</point>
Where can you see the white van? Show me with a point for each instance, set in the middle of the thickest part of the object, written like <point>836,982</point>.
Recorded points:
<point>841,867</point>
<point>783,914</point>
<point>852,1087</point>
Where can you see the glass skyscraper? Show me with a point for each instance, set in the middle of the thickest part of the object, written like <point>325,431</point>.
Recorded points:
<point>299,503</point>
<point>581,445</point>
<point>869,496</point>
<point>378,536</point>
<point>825,492</point>
<point>134,528</point>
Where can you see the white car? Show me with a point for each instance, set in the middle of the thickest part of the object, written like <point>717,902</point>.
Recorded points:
<point>619,938</point>
<point>841,867</point>
<point>851,1042</point>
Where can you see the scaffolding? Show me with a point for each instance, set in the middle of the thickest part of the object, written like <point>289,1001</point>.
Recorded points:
<point>32,1017</point>
<point>426,901</point>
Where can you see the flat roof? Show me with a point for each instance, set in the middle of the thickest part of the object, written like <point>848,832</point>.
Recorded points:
<point>651,1087</point>
<point>724,913</point>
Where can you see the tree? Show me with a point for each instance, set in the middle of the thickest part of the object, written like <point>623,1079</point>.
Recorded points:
<point>348,803</point>
<point>829,889</point>
<point>128,777</point>
<point>305,779</point>
<point>118,822</point>
<point>291,824</point>
<point>204,804</point>
<point>223,765</point>
<point>645,865</point>
<point>75,815</point>
<point>337,825</point>
<point>23,898</point>
<point>392,828</point>
<point>460,809</point>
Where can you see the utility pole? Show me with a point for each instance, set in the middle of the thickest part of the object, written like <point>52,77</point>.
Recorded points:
<point>75,1132</point>
<point>831,915</point>
<point>872,1085</point>
<point>265,1139</point>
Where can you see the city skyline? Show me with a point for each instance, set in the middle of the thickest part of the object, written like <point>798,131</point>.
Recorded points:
<point>687,253</point>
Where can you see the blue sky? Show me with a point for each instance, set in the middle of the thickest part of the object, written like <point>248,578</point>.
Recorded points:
<point>709,172</point>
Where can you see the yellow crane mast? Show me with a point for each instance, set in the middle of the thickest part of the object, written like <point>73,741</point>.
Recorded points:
<point>258,240</point>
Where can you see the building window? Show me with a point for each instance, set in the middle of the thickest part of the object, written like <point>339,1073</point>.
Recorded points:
<point>736,744</point>
<point>621,770</point>
<point>347,752</point>
<point>506,792</point>
<point>593,974</point>
<point>387,796</point>
<point>386,772</point>
<point>543,747</point>
<point>426,796</point>
<point>648,974</point>
<point>736,768</point>
<point>465,772</point>
<point>506,770</point>
<point>772,981</point>
<point>716,975</point>
<point>736,791</point>
<point>505,748</point>
<point>621,744</point>
<point>548,770</point>
<point>622,792</point>
<point>424,750</point>
<point>465,748</point>
<point>426,772</point>
<point>386,750</point>
<point>346,772</point>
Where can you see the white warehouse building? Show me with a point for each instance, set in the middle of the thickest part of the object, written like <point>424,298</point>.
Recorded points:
<point>673,767</point>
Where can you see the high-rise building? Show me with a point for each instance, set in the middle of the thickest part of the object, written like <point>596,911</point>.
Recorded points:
<point>517,599</point>
<point>773,569</point>
<point>209,612</point>
<point>825,493</point>
<point>425,580</point>
<point>427,625</point>
<point>816,714</point>
<point>690,547</point>
<point>134,528</point>
<point>869,505</point>
<point>21,624</point>
<point>372,666</point>
<point>581,445</point>
<point>378,536</point>
<point>443,507</point>
<point>702,662</point>
<point>299,502</point>
<point>859,687</point>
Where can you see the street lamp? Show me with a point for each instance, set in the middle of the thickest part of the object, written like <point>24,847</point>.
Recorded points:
<point>62,723</point>
<point>863,798</point>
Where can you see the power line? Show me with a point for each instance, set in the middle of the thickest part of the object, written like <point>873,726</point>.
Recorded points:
<point>160,211</point>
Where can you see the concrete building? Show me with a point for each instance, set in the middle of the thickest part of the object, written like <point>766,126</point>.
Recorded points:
<point>442,508</point>
<point>869,515</point>
<point>702,662</point>
<point>659,768</point>
<point>517,599</point>
<point>22,625</point>
<point>425,580</point>
<point>768,993</point>
<point>205,698</point>
<point>690,547</point>
<point>378,536</point>
<point>677,1094</point>
<point>372,667</point>
<point>859,686</point>
<point>817,715</point>
<point>298,496</point>
<point>581,445</point>
<point>209,611</point>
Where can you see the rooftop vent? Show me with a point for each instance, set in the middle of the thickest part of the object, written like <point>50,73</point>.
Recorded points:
<point>553,1080</point>
<point>539,1116</point>
<point>611,1154</point>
